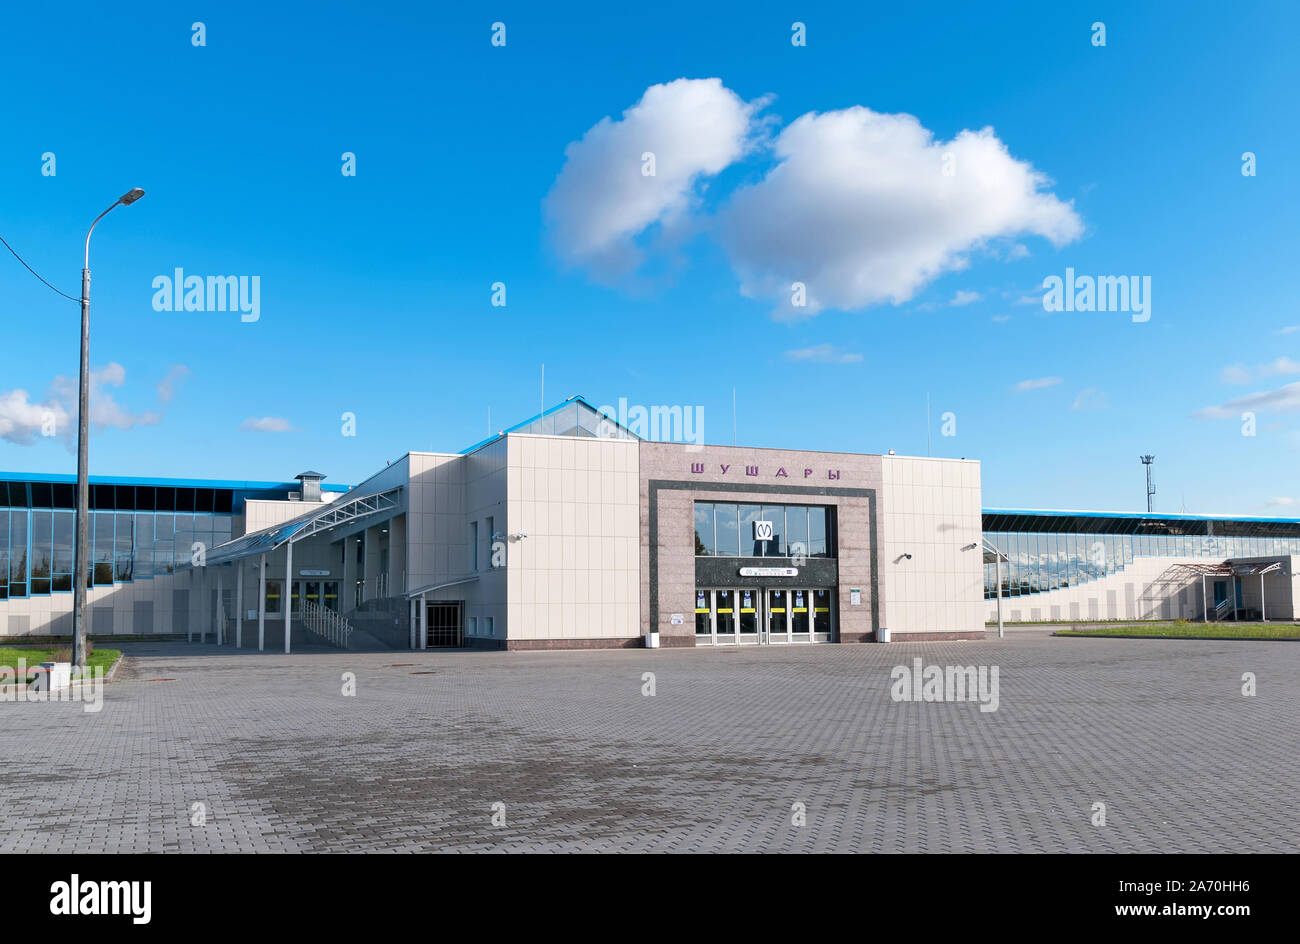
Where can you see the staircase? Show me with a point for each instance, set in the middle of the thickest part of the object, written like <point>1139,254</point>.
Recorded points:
<point>326,625</point>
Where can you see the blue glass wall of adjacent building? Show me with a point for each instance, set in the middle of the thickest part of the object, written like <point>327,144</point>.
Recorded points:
<point>138,530</point>
<point>1051,551</point>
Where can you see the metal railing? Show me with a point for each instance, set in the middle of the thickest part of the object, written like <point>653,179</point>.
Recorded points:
<point>331,626</point>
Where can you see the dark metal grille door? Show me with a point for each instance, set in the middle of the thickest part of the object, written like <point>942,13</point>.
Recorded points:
<point>444,626</point>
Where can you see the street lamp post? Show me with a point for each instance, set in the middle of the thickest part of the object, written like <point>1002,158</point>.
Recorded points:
<point>82,564</point>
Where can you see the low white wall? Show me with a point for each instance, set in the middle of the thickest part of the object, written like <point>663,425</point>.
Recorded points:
<point>1148,588</point>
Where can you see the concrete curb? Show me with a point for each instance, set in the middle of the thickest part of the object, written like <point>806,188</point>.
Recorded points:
<point>1198,638</point>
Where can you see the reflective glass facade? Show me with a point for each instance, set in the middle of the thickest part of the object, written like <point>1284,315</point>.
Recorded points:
<point>728,529</point>
<point>136,531</point>
<point>1051,551</point>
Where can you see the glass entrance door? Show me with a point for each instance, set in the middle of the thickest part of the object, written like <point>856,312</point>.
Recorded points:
<point>799,615</point>
<point>703,618</point>
<point>778,615</point>
<point>751,611</point>
<point>725,616</point>
<point>821,615</point>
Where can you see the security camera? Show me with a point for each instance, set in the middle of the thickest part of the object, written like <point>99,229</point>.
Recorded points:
<point>908,556</point>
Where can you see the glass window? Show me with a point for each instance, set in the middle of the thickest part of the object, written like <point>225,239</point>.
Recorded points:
<point>4,548</point>
<point>42,551</point>
<point>748,515</point>
<point>18,554</point>
<point>704,529</point>
<point>102,544</point>
<point>142,557</point>
<point>273,596</point>
<point>728,532</point>
<point>796,529</point>
<point>1035,562</point>
<point>817,545</point>
<point>64,540</point>
<point>775,514</point>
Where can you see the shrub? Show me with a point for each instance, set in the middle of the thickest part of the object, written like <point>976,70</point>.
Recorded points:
<point>65,654</point>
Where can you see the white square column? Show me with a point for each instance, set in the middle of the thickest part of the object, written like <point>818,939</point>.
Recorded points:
<point>288,593</point>
<point>261,603</point>
<point>239,604</point>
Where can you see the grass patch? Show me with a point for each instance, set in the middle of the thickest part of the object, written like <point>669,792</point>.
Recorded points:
<point>1184,629</point>
<point>35,655</point>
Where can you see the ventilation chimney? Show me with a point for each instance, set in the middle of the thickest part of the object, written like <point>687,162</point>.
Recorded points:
<point>310,485</point>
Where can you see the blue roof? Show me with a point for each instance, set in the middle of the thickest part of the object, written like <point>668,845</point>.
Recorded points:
<point>1132,514</point>
<point>239,485</point>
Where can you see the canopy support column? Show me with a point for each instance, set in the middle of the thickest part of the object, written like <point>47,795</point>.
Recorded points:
<point>239,604</point>
<point>288,592</point>
<point>1263,612</point>
<point>203,620</point>
<point>219,612</point>
<point>424,622</point>
<point>261,603</point>
<point>1205,604</point>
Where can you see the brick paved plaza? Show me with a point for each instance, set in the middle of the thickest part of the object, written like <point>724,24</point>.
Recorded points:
<point>1158,731</point>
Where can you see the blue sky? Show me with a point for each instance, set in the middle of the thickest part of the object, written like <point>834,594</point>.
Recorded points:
<point>376,288</point>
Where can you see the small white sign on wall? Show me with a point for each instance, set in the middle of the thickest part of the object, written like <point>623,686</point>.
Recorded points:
<point>677,619</point>
<point>762,530</point>
<point>855,597</point>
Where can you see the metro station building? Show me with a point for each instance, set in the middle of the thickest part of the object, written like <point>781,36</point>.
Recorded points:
<point>569,531</point>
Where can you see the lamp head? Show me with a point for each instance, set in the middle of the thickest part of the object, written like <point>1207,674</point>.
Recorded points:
<point>131,196</point>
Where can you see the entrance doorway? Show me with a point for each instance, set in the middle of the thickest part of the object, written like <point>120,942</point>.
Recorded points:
<point>763,616</point>
<point>443,625</point>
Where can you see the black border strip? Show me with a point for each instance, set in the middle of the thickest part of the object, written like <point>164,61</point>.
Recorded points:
<point>678,485</point>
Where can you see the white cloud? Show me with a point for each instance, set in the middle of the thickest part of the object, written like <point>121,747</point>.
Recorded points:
<point>825,354</point>
<point>964,297</point>
<point>1090,398</point>
<point>860,211</point>
<point>1240,374</point>
<point>1283,365</point>
<point>1284,502</point>
<point>1001,319</point>
<point>24,421</point>
<point>167,386</point>
<point>1284,399</point>
<point>267,424</point>
<point>1288,329</point>
<point>601,201</point>
<point>1037,383</point>
<point>1235,374</point>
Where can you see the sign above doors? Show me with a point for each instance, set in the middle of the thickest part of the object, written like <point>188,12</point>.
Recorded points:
<point>769,571</point>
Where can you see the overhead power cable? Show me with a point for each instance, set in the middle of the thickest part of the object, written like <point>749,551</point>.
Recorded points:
<point>37,274</point>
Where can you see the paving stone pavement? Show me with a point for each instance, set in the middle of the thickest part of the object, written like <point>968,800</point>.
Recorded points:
<point>1156,730</point>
